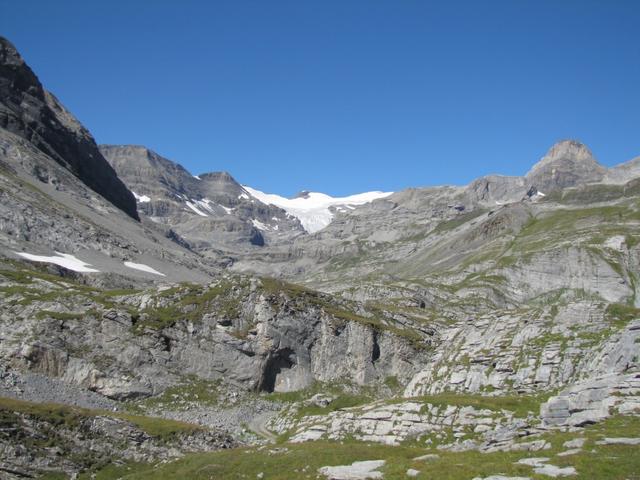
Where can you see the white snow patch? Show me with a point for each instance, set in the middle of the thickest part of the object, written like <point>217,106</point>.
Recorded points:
<point>204,204</point>
<point>143,268</point>
<point>244,195</point>
<point>196,176</point>
<point>141,198</point>
<point>227,209</point>
<point>259,225</point>
<point>313,209</point>
<point>64,260</point>
<point>275,219</point>
<point>195,209</point>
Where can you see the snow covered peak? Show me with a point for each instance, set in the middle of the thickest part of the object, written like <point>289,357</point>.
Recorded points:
<point>313,208</point>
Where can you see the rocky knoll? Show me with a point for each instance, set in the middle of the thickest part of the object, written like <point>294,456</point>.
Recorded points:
<point>32,113</point>
<point>40,439</point>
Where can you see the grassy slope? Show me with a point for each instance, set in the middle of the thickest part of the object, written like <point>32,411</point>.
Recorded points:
<point>68,416</point>
<point>301,461</point>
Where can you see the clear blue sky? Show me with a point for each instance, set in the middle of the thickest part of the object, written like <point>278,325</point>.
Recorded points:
<point>343,96</point>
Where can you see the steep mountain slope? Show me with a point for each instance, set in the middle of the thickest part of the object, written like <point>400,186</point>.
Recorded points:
<point>62,203</point>
<point>29,111</point>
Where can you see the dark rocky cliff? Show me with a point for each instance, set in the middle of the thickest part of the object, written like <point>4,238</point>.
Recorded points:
<point>29,111</point>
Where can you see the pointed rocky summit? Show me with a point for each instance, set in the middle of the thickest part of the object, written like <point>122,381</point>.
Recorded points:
<point>567,164</point>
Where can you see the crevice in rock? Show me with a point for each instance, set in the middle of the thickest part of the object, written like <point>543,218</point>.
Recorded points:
<point>375,350</point>
<point>166,343</point>
<point>274,366</point>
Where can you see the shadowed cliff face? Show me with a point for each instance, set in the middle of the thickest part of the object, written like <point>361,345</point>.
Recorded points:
<point>29,111</point>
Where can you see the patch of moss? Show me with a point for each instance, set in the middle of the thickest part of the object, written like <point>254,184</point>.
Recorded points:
<point>191,302</point>
<point>520,405</point>
<point>194,390</point>
<point>620,314</point>
<point>457,221</point>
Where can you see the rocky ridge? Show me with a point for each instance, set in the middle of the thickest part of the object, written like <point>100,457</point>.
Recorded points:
<point>210,211</point>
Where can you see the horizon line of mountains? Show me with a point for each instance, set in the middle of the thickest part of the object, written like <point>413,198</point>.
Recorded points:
<point>113,171</point>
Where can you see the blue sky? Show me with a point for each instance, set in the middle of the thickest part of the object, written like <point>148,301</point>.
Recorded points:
<point>343,96</point>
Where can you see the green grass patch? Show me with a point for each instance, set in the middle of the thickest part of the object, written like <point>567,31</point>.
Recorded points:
<point>457,221</point>
<point>60,315</point>
<point>193,391</point>
<point>64,415</point>
<point>190,302</point>
<point>302,461</point>
<point>620,315</point>
<point>520,405</point>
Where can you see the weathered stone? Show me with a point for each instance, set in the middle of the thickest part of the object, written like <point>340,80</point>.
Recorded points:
<point>618,441</point>
<point>553,471</point>
<point>356,471</point>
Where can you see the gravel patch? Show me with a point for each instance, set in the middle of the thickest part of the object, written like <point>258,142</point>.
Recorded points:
<point>236,420</point>
<point>35,387</point>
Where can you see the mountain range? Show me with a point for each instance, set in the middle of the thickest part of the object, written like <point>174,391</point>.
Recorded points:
<point>160,324</point>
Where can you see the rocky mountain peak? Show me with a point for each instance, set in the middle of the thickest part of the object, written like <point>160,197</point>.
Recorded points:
<point>14,72</point>
<point>223,177</point>
<point>568,150</point>
<point>302,194</point>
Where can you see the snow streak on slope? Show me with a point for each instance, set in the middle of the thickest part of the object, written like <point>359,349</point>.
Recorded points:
<point>62,259</point>
<point>144,268</point>
<point>313,209</point>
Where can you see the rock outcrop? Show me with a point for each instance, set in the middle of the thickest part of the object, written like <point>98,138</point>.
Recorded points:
<point>259,336</point>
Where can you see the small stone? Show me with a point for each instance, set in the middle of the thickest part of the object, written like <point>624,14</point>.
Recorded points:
<point>501,477</point>
<point>553,471</point>
<point>427,458</point>
<point>575,443</point>
<point>413,473</point>
<point>572,451</point>
<point>533,462</point>
<point>619,441</point>
<point>356,471</point>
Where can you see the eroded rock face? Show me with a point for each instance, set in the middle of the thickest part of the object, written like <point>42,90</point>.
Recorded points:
<point>256,337</point>
<point>528,353</point>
